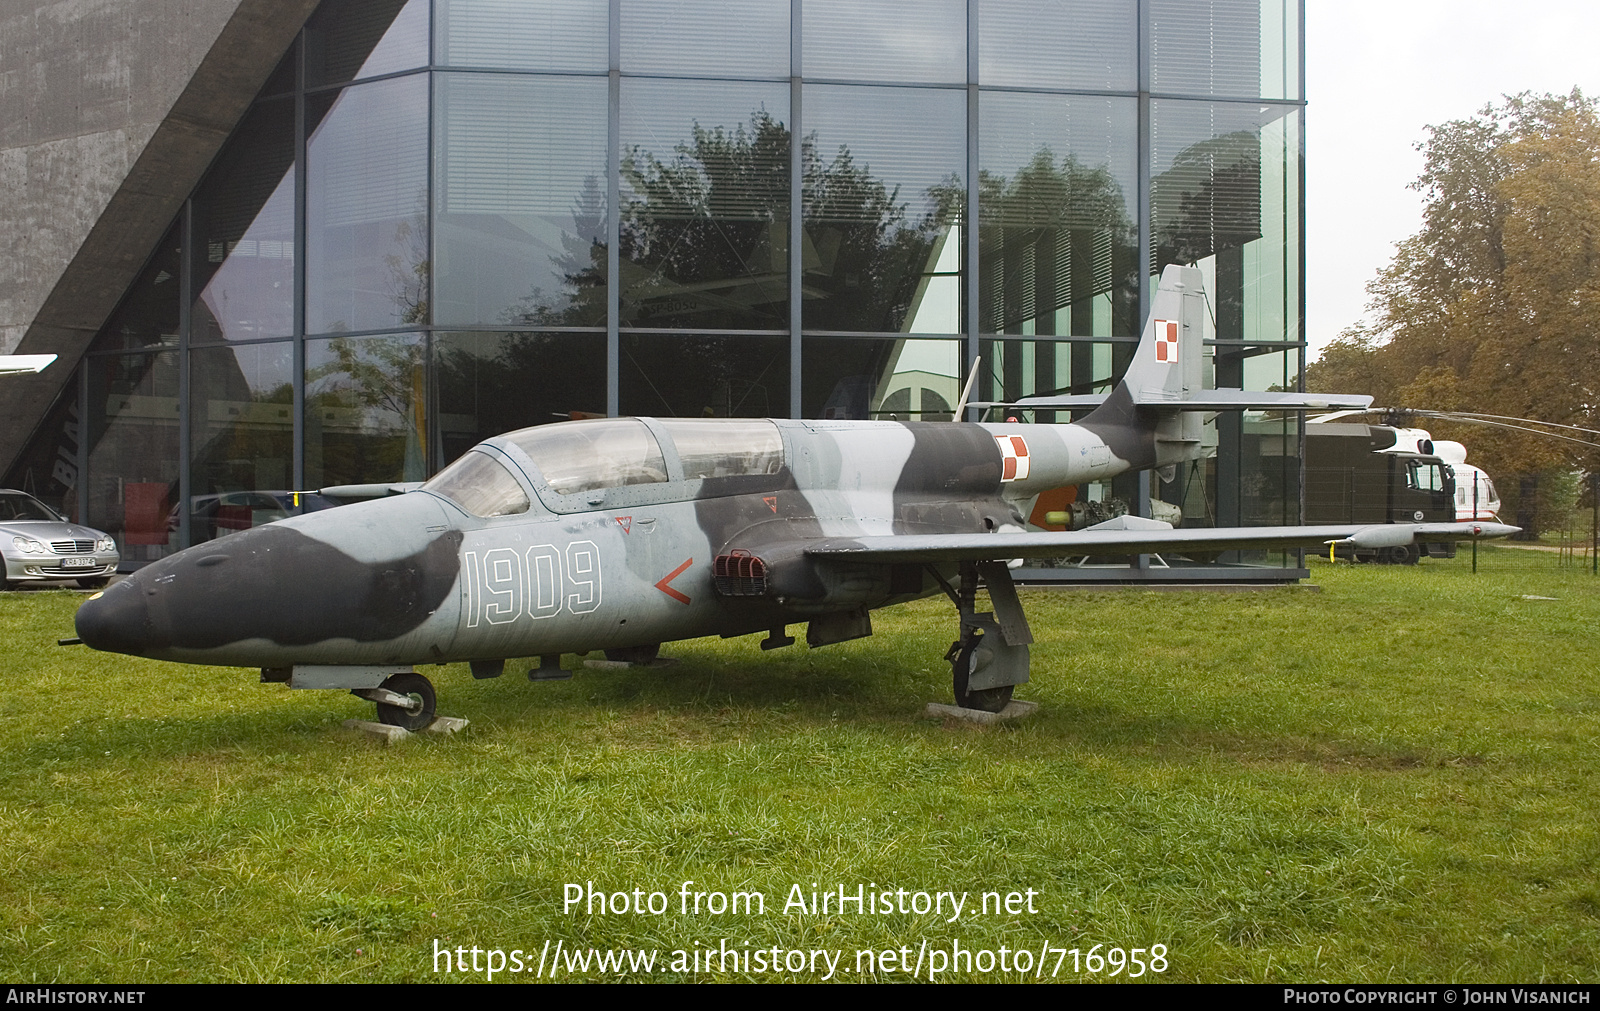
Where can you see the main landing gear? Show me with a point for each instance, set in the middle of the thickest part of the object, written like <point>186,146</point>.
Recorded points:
<point>991,657</point>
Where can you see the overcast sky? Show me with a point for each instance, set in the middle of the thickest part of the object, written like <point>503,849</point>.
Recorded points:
<point>1377,72</point>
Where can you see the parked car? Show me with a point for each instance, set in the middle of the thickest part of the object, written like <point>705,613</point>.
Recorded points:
<point>213,516</point>
<point>40,544</point>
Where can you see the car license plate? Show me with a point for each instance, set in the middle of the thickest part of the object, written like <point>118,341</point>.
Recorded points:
<point>79,563</point>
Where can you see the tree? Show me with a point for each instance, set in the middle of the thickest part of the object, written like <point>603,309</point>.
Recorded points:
<point>1494,306</point>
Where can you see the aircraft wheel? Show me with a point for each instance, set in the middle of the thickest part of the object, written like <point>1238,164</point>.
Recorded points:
<point>988,700</point>
<point>1403,554</point>
<point>634,654</point>
<point>419,688</point>
<point>94,583</point>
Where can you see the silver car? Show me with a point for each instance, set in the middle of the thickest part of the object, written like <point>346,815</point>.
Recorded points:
<point>38,543</point>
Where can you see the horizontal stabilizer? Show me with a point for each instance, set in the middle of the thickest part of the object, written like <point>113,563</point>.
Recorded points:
<point>1205,400</point>
<point>1137,539</point>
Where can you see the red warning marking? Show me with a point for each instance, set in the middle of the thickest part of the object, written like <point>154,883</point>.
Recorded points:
<point>1018,445</point>
<point>771,501</point>
<point>662,583</point>
<point>626,523</point>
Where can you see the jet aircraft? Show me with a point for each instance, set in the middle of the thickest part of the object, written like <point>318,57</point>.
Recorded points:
<point>620,534</point>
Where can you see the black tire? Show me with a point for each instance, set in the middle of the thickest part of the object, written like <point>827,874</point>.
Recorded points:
<point>635,654</point>
<point>988,700</point>
<point>1403,554</point>
<point>416,686</point>
<point>94,583</point>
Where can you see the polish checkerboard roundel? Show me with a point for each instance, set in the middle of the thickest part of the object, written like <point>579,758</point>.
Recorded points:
<point>1013,457</point>
<point>1167,341</point>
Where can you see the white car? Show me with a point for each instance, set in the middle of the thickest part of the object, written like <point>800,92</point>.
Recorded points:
<point>39,544</point>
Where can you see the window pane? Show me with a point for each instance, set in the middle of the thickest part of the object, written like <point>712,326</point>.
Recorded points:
<point>283,76</point>
<point>705,175</point>
<point>241,423</point>
<point>705,377</point>
<point>351,39</point>
<point>1254,473</point>
<point>148,315</point>
<point>1079,44</point>
<point>560,35</point>
<point>1058,253</point>
<point>722,38</point>
<point>883,204</point>
<point>1225,196</point>
<point>884,380</point>
<point>520,200</point>
<point>133,452</point>
<point>1209,47</point>
<point>364,410</point>
<point>1017,368</point>
<point>366,222</point>
<point>904,41</point>
<point>491,383</point>
<point>243,256</point>
<point>48,467</point>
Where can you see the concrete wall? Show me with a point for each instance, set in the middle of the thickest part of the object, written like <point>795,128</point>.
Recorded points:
<point>110,111</point>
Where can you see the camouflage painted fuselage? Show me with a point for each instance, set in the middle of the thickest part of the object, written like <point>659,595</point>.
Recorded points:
<point>416,578</point>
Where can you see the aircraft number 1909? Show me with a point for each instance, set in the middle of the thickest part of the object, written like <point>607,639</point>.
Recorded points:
<point>503,585</point>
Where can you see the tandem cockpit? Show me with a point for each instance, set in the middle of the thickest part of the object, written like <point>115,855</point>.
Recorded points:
<point>602,463</point>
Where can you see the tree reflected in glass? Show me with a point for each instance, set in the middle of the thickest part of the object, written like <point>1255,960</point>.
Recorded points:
<point>364,410</point>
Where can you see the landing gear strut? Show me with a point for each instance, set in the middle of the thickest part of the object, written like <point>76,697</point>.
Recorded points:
<point>991,657</point>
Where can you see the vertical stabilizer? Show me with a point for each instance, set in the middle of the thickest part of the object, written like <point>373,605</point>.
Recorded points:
<point>1166,370</point>
<point>1167,365</point>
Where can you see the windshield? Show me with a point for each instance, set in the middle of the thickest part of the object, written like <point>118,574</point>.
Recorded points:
<point>1425,476</point>
<point>480,485</point>
<point>15,505</point>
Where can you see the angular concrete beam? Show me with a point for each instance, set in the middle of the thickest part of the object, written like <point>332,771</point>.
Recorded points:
<point>110,112</point>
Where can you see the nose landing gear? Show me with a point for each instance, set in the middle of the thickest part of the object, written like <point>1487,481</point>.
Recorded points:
<point>403,700</point>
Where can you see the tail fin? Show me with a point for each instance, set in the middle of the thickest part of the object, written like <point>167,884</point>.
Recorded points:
<point>1166,368</point>
<point>1167,372</point>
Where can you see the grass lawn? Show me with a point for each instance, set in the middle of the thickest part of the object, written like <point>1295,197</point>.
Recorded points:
<point>1392,780</point>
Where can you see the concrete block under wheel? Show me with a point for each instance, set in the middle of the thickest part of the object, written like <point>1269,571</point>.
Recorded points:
<point>394,735</point>
<point>1016,709</point>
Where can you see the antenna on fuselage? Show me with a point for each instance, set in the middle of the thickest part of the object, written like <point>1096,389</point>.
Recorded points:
<point>966,391</point>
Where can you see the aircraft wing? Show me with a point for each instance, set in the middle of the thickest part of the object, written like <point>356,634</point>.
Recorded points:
<point>1135,537</point>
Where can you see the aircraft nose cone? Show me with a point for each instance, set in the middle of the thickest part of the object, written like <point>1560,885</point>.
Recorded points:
<point>116,620</point>
<point>365,574</point>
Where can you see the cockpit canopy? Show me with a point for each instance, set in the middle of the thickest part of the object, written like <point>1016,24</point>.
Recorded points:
<point>605,453</point>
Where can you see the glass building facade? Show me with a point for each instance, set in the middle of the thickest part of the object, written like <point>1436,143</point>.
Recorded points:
<point>444,219</point>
